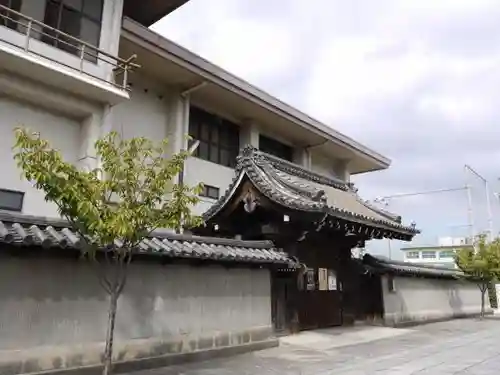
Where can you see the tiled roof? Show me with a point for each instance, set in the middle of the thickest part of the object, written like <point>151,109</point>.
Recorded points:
<point>379,264</point>
<point>294,187</point>
<point>24,230</point>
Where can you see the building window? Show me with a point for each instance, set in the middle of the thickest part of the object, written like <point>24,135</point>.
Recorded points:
<point>11,200</point>
<point>79,18</point>
<point>8,18</point>
<point>276,148</point>
<point>447,254</point>
<point>210,192</point>
<point>219,138</point>
<point>412,255</point>
<point>428,254</point>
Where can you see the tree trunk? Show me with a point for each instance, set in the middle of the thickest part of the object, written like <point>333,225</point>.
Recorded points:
<point>108,352</point>
<point>483,293</point>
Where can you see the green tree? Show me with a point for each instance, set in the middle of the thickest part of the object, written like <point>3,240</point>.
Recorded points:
<point>112,207</point>
<point>481,264</point>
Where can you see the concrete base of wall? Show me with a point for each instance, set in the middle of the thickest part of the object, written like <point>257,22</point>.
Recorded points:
<point>413,320</point>
<point>134,355</point>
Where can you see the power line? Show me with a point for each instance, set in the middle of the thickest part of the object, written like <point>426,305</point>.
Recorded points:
<point>421,193</point>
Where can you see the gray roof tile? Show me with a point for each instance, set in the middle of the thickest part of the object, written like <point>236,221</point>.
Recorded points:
<point>379,264</point>
<point>294,187</point>
<point>24,230</point>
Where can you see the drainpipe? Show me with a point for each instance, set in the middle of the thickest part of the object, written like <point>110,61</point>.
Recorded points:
<point>185,95</point>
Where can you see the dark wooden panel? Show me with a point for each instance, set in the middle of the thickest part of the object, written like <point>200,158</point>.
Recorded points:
<point>319,309</point>
<point>280,295</point>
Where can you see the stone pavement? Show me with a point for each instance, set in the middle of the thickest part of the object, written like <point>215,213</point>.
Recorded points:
<point>460,347</point>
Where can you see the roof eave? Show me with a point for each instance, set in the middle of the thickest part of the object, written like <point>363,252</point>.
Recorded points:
<point>213,74</point>
<point>246,167</point>
<point>147,12</point>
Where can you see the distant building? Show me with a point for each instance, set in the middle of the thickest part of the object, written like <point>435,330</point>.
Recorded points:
<point>441,255</point>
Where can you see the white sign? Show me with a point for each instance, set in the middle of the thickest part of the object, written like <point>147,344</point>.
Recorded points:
<point>332,280</point>
<point>323,278</point>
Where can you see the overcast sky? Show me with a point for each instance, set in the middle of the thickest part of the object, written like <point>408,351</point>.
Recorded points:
<point>417,80</point>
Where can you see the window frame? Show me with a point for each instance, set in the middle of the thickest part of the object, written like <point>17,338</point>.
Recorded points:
<point>206,192</point>
<point>70,46</point>
<point>450,254</point>
<point>428,252</point>
<point>276,148</point>
<point>13,21</point>
<point>409,254</point>
<point>13,192</point>
<point>219,138</point>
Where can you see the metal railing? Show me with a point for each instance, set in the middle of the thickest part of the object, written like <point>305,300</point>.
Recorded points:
<point>33,29</point>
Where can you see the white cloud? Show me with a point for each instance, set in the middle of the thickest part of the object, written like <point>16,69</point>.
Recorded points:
<point>242,45</point>
<point>349,72</point>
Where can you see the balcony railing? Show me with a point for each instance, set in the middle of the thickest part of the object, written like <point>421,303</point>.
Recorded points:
<point>34,30</point>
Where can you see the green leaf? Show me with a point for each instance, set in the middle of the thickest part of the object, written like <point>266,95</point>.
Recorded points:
<point>133,192</point>
<point>482,261</point>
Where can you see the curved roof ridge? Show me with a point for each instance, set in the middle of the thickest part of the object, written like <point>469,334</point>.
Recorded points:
<point>271,181</point>
<point>295,169</point>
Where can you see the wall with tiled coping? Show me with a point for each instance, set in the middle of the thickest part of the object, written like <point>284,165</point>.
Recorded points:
<point>419,300</point>
<point>54,314</point>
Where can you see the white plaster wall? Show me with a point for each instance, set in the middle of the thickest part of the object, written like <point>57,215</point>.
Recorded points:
<point>62,133</point>
<point>421,299</point>
<point>155,112</point>
<point>146,114</point>
<point>322,165</point>
<point>58,302</point>
<point>198,170</point>
<point>329,167</point>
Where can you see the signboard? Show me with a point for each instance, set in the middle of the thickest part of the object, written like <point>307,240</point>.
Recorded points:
<point>323,278</point>
<point>332,280</point>
<point>310,282</point>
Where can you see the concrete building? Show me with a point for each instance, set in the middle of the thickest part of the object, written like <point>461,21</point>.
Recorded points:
<point>75,69</point>
<point>74,88</point>
<point>441,255</point>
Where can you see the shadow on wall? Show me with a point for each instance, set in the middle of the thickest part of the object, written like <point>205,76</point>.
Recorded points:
<point>403,313</point>
<point>455,300</point>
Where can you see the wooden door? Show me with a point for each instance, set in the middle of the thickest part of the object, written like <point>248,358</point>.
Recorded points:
<point>280,298</point>
<point>319,307</point>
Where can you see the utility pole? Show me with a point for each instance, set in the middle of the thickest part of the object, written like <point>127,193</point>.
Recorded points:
<point>470,214</point>
<point>468,168</point>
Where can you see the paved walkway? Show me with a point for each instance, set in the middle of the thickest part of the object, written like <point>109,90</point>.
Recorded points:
<point>460,347</point>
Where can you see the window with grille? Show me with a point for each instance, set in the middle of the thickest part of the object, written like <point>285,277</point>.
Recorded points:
<point>80,19</point>
<point>11,200</point>
<point>412,255</point>
<point>210,192</point>
<point>276,148</point>
<point>219,138</point>
<point>7,17</point>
